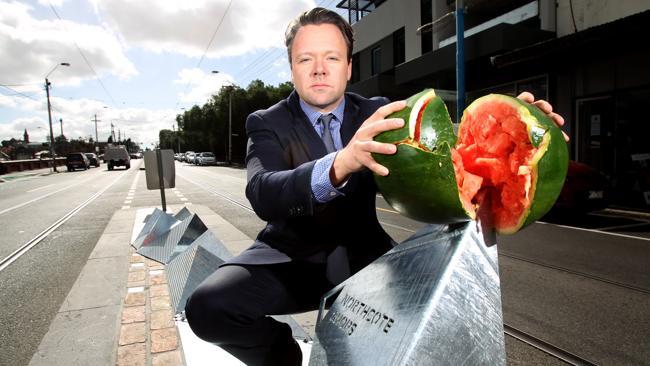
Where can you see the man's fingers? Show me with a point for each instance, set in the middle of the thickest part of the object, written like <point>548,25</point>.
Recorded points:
<point>389,108</point>
<point>526,97</point>
<point>377,168</point>
<point>544,106</point>
<point>380,126</point>
<point>559,120</point>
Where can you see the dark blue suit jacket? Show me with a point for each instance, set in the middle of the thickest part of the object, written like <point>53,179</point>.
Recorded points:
<point>282,150</point>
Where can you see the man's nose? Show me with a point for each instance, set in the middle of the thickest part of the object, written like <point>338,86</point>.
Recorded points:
<point>319,68</point>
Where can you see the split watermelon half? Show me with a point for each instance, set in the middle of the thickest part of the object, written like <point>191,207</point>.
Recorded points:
<point>507,151</point>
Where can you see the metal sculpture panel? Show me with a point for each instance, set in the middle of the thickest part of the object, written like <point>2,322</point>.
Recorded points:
<point>435,299</point>
<point>175,241</point>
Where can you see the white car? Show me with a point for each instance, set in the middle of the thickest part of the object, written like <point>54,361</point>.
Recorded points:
<point>206,158</point>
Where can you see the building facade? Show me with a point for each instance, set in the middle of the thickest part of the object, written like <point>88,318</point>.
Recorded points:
<point>584,56</point>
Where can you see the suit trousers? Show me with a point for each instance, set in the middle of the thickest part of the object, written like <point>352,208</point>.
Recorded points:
<point>231,308</point>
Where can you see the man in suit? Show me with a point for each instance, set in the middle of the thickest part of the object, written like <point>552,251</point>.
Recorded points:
<point>310,177</point>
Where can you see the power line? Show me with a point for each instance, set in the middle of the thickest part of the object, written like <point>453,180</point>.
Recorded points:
<point>3,84</point>
<point>18,93</point>
<point>83,56</point>
<point>270,53</point>
<point>214,34</point>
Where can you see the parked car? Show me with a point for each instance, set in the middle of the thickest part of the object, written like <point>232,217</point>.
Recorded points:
<point>585,189</point>
<point>206,158</point>
<point>94,159</point>
<point>75,161</point>
<point>117,156</point>
<point>136,155</point>
<point>189,157</point>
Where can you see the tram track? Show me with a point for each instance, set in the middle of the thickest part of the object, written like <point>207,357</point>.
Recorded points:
<point>577,273</point>
<point>509,330</point>
<point>24,248</point>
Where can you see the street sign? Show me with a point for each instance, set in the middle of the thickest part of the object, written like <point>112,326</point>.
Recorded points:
<point>160,171</point>
<point>152,169</point>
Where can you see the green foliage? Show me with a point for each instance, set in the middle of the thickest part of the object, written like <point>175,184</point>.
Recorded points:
<point>205,128</point>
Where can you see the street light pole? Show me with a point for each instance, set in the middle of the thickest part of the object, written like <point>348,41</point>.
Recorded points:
<point>229,120</point>
<point>230,126</point>
<point>49,112</point>
<point>49,116</point>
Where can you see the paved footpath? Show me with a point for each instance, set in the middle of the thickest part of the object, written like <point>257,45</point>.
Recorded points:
<point>118,311</point>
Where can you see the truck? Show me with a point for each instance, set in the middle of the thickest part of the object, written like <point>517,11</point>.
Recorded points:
<point>117,155</point>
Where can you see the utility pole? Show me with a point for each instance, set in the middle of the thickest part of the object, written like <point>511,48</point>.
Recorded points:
<point>460,59</point>
<point>49,116</point>
<point>230,127</point>
<point>61,121</point>
<point>96,136</point>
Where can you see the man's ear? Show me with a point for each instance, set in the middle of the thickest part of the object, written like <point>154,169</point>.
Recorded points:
<point>349,69</point>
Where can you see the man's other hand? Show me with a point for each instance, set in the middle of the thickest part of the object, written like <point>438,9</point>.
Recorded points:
<point>356,155</point>
<point>545,107</point>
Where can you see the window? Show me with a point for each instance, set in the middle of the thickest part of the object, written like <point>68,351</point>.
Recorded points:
<point>399,48</point>
<point>375,60</point>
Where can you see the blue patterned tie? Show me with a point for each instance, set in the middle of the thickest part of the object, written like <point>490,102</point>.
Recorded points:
<point>338,267</point>
<point>325,120</point>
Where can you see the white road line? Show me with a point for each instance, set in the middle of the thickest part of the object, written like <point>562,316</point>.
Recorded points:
<point>43,196</point>
<point>125,207</point>
<point>43,234</point>
<point>595,231</point>
<point>39,188</point>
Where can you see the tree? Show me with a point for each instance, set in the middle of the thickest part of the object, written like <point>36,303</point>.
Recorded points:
<point>205,128</point>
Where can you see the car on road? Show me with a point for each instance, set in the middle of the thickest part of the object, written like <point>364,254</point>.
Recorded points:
<point>585,190</point>
<point>117,156</point>
<point>93,158</point>
<point>136,155</point>
<point>206,158</point>
<point>74,161</point>
<point>189,157</point>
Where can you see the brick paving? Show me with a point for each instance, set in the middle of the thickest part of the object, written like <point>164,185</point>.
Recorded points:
<point>148,334</point>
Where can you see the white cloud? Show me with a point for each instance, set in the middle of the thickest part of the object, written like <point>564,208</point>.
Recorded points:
<point>202,85</point>
<point>139,124</point>
<point>186,27</point>
<point>56,3</point>
<point>36,46</point>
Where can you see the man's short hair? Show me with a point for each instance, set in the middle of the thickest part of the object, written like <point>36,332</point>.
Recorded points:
<point>318,16</point>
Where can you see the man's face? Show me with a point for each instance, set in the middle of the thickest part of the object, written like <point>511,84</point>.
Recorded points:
<point>319,65</point>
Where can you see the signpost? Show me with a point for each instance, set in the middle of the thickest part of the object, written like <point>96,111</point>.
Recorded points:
<point>160,172</point>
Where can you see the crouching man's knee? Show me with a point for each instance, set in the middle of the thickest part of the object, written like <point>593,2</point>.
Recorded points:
<point>208,317</point>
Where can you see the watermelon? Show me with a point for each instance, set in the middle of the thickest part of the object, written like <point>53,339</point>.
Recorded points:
<point>506,150</point>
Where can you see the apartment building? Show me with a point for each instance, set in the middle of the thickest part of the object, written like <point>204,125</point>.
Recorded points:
<point>584,56</point>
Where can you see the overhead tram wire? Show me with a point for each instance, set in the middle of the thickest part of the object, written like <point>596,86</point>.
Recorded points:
<point>83,55</point>
<point>246,70</point>
<point>214,34</point>
<point>25,96</point>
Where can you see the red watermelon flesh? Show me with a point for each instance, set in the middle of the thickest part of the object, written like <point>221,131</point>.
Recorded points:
<point>492,156</point>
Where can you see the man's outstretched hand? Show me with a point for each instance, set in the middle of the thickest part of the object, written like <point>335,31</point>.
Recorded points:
<point>356,155</point>
<point>545,107</point>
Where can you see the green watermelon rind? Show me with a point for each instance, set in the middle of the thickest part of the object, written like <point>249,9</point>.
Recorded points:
<point>436,178</point>
<point>434,169</point>
<point>550,162</point>
<point>400,134</point>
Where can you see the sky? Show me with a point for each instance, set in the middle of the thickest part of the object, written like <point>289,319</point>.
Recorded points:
<point>133,63</point>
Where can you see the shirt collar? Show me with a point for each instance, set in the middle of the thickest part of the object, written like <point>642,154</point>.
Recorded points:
<point>313,114</point>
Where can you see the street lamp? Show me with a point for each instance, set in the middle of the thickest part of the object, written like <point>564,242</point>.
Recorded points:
<point>229,120</point>
<point>49,111</point>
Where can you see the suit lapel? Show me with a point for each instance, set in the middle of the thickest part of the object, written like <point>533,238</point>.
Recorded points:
<point>350,121</point>
<point>304,129</point>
